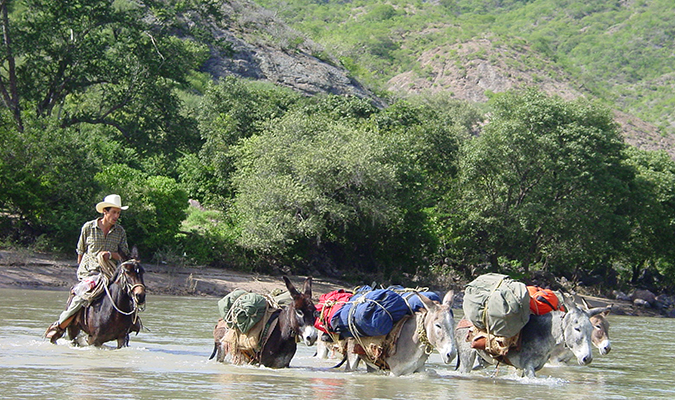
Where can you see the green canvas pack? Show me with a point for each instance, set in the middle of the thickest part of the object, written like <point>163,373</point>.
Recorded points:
<point>497,304</point>
<point>241,309</point>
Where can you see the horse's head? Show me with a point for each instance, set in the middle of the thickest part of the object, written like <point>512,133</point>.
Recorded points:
<point>440,326</point>
<point>577,332</point>
<point>302,311</point>
<point>130,276</point>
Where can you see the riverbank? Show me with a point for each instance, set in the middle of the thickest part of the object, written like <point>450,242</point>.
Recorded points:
<point>22,269</point>
<point>27,270</point>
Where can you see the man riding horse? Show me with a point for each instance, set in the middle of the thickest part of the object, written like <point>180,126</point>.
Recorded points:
<point>101,241</point>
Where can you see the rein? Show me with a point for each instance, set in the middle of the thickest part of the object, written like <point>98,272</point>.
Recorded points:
<point>128,288</point>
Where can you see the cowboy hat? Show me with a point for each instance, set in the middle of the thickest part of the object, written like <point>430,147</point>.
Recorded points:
<point>111,200</point>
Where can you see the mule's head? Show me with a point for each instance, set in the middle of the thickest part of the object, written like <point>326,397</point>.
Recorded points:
<point>131,275</point>
<point>600,337</point>
<point>440,326</point>
<point>302,311</point>
<point>577,332</point>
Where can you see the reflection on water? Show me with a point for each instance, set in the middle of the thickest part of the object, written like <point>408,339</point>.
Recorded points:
<point>170,361</point>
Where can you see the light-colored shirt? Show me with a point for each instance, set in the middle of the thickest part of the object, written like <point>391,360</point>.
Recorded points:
<point>92,241</point>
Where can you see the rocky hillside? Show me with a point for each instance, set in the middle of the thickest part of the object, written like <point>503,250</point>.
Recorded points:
<point>252,42</point>
<point>471,70</point>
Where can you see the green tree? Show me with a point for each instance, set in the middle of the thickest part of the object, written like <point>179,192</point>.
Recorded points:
<point>543,184</point>
<point>652,215</point>
<point>157,205</point>
<point>321,189</point>
<point>47,184</point>
<point>231,110</point>
<point>97,62</point>
<point>430,130</point>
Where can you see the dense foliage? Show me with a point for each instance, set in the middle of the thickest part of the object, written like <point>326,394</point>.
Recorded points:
<point>97,100</point>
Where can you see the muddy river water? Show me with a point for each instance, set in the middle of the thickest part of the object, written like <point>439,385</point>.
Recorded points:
<point>170,361</point>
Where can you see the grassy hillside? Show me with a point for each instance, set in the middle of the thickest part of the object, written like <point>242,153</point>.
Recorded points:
<point>618,51</point>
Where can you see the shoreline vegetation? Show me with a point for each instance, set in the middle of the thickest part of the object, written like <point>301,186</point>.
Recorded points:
<point>23,269</point>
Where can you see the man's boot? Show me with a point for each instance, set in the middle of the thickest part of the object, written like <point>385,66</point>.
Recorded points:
<point>54,332</point>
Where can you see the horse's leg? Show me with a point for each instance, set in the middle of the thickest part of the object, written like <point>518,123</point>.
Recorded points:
<point>75,325</point>
<point>123,341</point>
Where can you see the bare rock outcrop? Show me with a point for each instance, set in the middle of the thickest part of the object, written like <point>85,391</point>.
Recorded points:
<point>472,69</point>
<point>251,42</point>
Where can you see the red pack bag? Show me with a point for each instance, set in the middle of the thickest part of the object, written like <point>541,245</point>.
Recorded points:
<point>543,301</point>
<point>329,304</point>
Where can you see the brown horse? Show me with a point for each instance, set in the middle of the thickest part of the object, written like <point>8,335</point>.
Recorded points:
<point>114,314</point>
<point>277,344</point>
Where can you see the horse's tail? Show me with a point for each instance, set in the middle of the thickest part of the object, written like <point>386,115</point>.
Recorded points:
<point>215,350</point>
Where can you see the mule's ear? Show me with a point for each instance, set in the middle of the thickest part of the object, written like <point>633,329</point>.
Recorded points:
<point>307,286</point>
<point>289,285</point>
<point>428,304</point>
<point>449,298</point>
<point>600,310</point>
<point>134,252</point>
<point>586,306</point>
<point>595,311</point>
<point>570,304</point>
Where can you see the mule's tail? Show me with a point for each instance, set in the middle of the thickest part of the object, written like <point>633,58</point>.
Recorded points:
<point>215,350</point>
<point>340,363</point>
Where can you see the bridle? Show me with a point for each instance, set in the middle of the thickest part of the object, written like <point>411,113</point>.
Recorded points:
<point>129,289</point>
<point>297,320</point>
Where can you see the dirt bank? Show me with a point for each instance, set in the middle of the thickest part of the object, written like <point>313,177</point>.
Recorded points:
<point>21,269</point>
<point>24,269</point>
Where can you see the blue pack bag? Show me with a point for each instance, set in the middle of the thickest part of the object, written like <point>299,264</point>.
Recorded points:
<point>414,301</point>
<point>370,313</point>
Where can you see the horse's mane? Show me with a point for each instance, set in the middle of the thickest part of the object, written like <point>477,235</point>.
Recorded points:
<point>119,271</point>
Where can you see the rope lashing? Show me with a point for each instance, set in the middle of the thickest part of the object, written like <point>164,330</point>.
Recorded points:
<point>422,335</point>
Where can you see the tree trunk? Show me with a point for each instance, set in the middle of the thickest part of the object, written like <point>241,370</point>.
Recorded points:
<point>494,262</point>
<point>8,88</point>
<point>636,270</point>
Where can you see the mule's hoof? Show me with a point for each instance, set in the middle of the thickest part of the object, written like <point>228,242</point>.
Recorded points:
<point>54,332</point>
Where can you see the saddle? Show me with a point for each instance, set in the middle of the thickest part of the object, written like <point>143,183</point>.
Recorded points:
<point>496,346</point>
<point>246,347</point>
<point>378,348</point>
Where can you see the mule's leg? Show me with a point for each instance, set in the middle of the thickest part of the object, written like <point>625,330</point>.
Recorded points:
<point>353,359</point>
<point>528,372</point>
<point>370,369</point>
<point>220,353</point>
<point>321,349</point>
<point>466,356</point>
